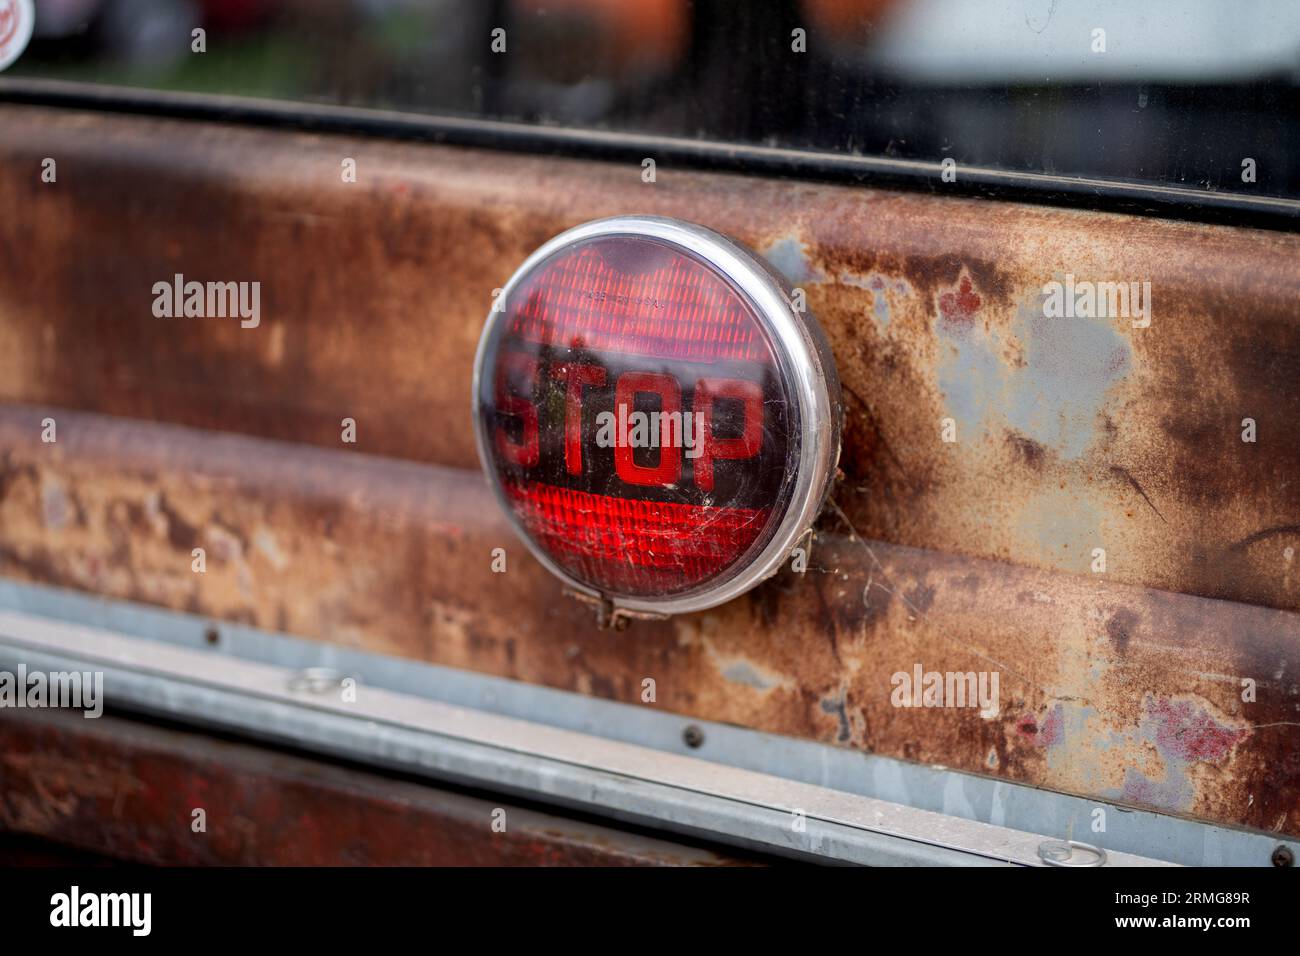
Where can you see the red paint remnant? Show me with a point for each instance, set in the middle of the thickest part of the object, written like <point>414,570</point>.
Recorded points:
<point>877,283</point>
<point>1118,361</point>
<point>1188,732</point>
<point>1049,733</point>
<point>1138,789</point>
<point>960,307</point>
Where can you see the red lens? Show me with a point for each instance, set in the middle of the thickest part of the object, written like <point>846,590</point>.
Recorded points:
<point>634,412</point>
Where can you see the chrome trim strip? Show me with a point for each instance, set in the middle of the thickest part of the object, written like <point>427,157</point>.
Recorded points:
<point>938,789</point>
<point>628,782</point>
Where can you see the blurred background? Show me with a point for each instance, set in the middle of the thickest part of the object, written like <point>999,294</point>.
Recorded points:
<point>1183,92</point>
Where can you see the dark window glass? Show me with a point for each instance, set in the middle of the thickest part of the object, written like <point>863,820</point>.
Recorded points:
<point>1169,92</point>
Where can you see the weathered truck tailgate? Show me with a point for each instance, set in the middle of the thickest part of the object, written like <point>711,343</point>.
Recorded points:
<point>1165,682</point>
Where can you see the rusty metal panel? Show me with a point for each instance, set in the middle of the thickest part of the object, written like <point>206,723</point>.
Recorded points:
<point>970,555</point>
<point>1071,434</point>
<point>129,790</point>
<point>1129,694</point>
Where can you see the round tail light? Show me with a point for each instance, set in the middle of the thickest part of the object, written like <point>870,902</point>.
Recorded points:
<point>658,419</point>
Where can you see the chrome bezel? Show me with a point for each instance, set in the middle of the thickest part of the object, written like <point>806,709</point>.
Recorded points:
<point>813,381</point>
<point>23,35</point>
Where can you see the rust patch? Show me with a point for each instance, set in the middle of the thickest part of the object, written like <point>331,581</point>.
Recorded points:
<point>1030,451</point>
<point>128,791</point>
<point>1047,733</point>
<point>1119,628</point>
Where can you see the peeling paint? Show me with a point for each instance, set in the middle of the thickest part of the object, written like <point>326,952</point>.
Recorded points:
<point>1046,380</point>
<point>1047,734</point>
<point>743,672</point>
<point>1185,730</point>
<point>54,504</point>
<point>789,256</point>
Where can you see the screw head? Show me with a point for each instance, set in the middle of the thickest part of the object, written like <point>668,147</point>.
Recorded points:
<point>315,680</point>
<point>1282,856</point>
<point>693,736</point>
